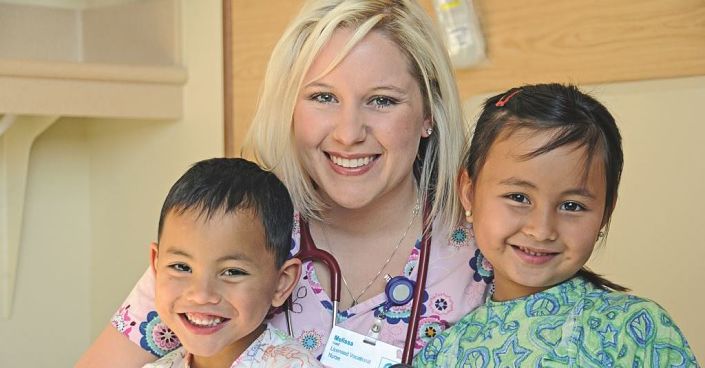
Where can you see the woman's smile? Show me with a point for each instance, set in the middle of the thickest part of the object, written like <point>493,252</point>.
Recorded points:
<point>352,164</point>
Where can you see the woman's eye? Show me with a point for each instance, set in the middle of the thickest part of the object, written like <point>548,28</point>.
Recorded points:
<point>572,206</point>
<point>323,98</point>
<point>180,267</point>
<point>381,101</point>
<point>516,197</point>
<point>234,272</point>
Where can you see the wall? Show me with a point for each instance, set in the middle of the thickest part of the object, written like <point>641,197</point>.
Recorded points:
<point>655,246</point>
<point>597,41</point>
<point>93,199</point>
<point>52,289</point>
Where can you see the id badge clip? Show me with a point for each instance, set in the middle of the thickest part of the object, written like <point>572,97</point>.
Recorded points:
<point>349,349</point>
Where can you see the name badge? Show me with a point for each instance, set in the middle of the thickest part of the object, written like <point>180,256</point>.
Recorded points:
<point>349,349</point>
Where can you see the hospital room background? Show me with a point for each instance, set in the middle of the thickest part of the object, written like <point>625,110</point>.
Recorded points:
<point>104,103</point>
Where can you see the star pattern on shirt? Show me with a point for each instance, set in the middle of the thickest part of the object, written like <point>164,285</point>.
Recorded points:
<point>609,336</point>
<point>511,354</point>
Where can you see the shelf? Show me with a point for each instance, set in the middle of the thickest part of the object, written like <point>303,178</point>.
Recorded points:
<point>31,87</point>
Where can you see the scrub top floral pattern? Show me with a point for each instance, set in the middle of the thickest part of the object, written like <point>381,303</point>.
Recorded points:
<point>453,289</point>
<point>272,349</point>
<point>573,324</point>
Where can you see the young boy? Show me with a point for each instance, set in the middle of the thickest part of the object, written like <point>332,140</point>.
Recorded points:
<point>221,262</point>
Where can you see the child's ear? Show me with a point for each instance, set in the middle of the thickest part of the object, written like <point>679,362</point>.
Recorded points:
<point>289,274</point>
<point>466,191</point>
<point>154,257</point>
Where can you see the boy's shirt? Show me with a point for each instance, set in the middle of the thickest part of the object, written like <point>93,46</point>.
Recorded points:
<point>272,349</point>
<point>573,324</point>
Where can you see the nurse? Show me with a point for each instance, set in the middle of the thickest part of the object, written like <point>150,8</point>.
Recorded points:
<point>361,119</point>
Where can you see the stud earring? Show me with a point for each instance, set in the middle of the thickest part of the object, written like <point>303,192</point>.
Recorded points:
<point>468,213</point>
<point>429,131</point>
<point>601,235</point>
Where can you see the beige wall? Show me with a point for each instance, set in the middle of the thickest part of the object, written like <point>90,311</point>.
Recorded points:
<point>52,288</point>
<point>94,192</point>
<point>655,245</point>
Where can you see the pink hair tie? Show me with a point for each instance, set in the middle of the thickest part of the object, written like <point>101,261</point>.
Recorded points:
<point>503,101</point>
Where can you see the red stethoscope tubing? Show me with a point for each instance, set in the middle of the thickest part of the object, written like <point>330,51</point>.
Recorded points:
<point>309,252</point>
<point>422,271</point>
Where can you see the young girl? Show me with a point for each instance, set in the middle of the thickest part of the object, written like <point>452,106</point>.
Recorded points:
<point>539,187</point>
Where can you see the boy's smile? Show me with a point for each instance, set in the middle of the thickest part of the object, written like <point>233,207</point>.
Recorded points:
<point>215,281</point>
<point>535,219</point>
<point>203,323</point>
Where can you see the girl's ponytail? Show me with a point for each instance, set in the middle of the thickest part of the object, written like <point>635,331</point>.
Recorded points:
<point>600,281</point>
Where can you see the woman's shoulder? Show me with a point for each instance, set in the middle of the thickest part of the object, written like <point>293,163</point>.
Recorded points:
<point>449,242</point>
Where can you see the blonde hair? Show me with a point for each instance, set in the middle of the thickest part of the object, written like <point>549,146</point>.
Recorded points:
<point>270,139</point>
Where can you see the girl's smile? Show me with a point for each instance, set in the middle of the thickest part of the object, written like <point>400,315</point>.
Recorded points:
<point>532,255</point>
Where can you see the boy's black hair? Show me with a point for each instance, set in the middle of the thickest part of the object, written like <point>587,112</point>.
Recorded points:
<point>575,117</point>
<point>233,184</point>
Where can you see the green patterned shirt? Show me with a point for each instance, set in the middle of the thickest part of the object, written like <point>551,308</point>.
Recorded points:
<point>572,324</point>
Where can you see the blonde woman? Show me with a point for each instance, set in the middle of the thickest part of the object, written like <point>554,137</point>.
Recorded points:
<point>360,118</point>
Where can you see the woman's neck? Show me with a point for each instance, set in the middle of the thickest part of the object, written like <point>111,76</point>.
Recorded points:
<point>390,211</point>
<point>369,241</point>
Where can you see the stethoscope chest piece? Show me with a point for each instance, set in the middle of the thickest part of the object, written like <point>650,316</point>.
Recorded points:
<point>399,290</point>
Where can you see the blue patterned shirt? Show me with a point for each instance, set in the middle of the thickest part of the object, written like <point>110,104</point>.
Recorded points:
<point>572,324</point>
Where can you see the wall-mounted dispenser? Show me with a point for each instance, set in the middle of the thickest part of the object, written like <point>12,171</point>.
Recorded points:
<point>461,31</point>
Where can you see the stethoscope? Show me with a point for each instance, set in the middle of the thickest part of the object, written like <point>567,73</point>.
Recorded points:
<point>399,290</point>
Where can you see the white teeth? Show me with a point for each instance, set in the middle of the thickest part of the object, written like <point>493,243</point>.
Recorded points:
<point>532,253</point>
<point>351,163</point>
<point>204,322</point>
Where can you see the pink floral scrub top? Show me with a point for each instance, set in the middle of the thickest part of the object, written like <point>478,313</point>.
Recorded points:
<point>457,279</point>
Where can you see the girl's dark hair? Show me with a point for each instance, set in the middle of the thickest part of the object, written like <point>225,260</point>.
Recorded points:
<point>230,185</point>
<point>573,117</point>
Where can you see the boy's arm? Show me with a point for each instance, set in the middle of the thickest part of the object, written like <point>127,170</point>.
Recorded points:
<point>113,350</point>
